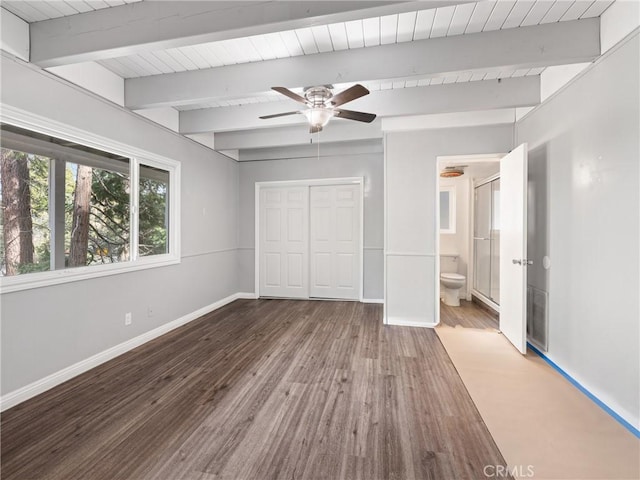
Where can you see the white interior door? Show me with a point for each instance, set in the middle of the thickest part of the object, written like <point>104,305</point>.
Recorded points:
<point>335,241</point>
<point>513,247</point>
<point>284,242</point>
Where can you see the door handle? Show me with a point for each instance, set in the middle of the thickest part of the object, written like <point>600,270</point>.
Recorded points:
<point>524,262</point>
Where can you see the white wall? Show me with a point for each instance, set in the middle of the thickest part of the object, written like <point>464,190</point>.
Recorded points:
<point>367,165</point>
<point>410,232</point>
<point>47,329</point>
<point>584,179</point>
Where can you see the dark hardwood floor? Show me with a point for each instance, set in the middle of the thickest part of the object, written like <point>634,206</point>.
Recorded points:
<point>260,389</point>
<point>467,315</point>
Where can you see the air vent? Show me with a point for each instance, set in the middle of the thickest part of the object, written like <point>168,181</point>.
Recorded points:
<point>537,317</point>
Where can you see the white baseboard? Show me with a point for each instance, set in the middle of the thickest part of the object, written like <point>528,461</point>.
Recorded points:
<point>253,296</point>
<point>39,386</point>
<point>409,323</point>
<point>372,300</point>
<point>246,295</point>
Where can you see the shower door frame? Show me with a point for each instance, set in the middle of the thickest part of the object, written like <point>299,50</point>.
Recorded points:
<point>472,250</point>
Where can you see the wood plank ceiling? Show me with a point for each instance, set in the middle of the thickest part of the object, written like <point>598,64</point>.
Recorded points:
<point>369,32</point>
<point>208,81</point>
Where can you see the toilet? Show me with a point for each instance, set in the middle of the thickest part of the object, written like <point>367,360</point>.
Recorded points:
<point>450,281</point>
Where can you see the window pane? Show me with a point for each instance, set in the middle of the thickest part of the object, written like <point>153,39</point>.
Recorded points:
<point>153,218</point>
<point>24,217</point>
<point>96,213</point>
<point>444,210</point>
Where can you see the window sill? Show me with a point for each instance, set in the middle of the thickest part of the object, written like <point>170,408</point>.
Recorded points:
<point>56,277</point>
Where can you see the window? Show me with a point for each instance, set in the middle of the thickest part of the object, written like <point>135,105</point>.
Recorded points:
<point>96,211</point>
<point>154,215</point>
<point>448,209</point>
<point>70,209</point>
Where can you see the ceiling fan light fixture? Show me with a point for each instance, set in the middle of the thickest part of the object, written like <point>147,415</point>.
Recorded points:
<point>321,105</point>
<point>318,116</point>
<point>451,172</point>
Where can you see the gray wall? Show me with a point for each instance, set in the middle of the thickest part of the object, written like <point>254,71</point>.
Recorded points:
<point>584,175</point>
<point>412,181</point>
<point>367,165</point>
<point>50,328</point>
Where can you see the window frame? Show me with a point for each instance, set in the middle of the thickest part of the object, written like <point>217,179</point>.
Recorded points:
<point>29,121</point>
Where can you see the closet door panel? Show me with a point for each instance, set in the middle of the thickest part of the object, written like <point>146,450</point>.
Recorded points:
<point>335,241</point>
<point>284,242</point>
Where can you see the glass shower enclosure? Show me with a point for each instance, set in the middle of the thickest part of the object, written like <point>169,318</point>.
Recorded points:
<point>486,240</point>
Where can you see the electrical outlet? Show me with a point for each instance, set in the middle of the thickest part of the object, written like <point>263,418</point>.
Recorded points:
<point>127,318</point>
<point>149,312</point>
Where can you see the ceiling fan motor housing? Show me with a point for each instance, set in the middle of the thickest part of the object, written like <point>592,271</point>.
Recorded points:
<point>318,96</point>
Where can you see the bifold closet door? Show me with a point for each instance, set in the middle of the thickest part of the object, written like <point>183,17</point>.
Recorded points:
<point>335,242</point>
<point>284,242</point>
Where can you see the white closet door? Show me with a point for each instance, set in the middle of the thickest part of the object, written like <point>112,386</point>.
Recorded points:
<point>335,241</point>
<point>284,242</point>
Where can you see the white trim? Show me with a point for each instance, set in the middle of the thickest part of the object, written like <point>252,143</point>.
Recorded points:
<point>410,254</point>
<point>212,252</point>
<point>39,386</point>
<point>476,158</point>
<point>372,300</point>
<point>437,232</point>
<point>312,182</point>
<point>385,240</point>
<point>246,295</point>
<point>29,121</point>
<point>469,240</point>
<point>409,323</point>
<point>56,277</point>
<point>307,183</point>
<point>361,252</point>
<point>256,255</point>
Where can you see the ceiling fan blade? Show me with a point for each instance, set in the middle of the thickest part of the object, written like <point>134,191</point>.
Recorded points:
<point>351,115</point>
<point>348,95</point>
<point>290,94</point>
<point>275,115</point>
<point>315,128</point>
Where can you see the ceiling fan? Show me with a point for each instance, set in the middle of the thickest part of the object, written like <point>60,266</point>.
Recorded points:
<point>322,103</point>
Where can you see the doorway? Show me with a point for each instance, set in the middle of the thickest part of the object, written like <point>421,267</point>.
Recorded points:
<point>309,239</point>
<point>459,219</point>
<point>505,215</point>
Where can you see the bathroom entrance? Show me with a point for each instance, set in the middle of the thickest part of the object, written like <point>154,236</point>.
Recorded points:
<point>469,232</point>
<point>482,242</point>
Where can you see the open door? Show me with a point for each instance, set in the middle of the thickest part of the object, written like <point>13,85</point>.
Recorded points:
<point>513,247</point>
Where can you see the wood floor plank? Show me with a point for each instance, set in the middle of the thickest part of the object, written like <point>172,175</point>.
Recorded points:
<point>468,315</point>
<point>260,389</point>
